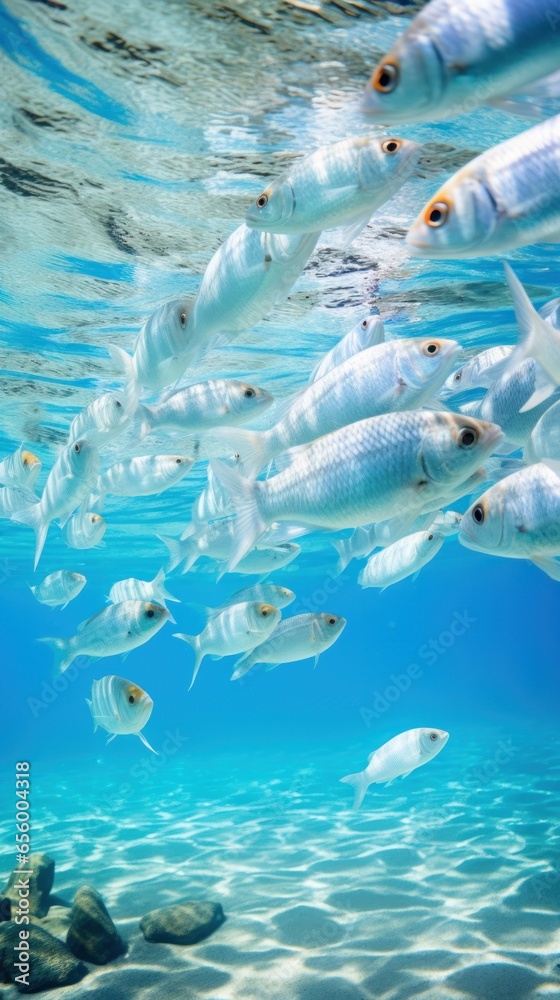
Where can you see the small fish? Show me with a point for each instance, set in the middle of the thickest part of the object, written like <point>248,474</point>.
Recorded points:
<point>447,522</point>
<point>162,352</point>
<point>84,529</point>
<point>12,499</point>
<point>267,593</point>
<point>199,408</point>
<point>504,403</point>
<point>216,541</point>
<point>452,58</point>
<point>116,629</point>
<point>507,197</point>
<point>249,274</point>
<point>362,473</point>
<point>153,591</point>
<point>367,333</point>
<point>338,185</point>
<point>103,420</point>
<point>519,518</point>
<point>302,637</point>
<point>544,442</point>
<point>70,480</point>
<point>20,469</point>
<point>481,371</point>
<point>393,376</point>
<point>263,561</point>
<point>397,758</point>
<point>401,559</point>
<point>214,502</point>
<point>368,537</point>
<point>59,588</point>
<point>537,339</point>
<point>234,629</point>
<point>143,476</point>
<point>120,707</point>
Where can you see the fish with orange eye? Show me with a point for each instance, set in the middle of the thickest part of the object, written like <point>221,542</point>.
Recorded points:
<point>507,197</point>
<point>518,518</point>
<point>21,469</point>
<point>456,55</point>
<point>120,707</point>
<point>337,186</point>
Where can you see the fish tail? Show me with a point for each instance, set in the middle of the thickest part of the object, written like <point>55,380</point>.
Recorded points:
<point>360,785</point>
<point>251,446</point>
<point>249,523</point>
<point>188,530</point>
<point>534,335</point>
<point>194,642</point>
<point>33,516</point>
<point>32,589</point>
<point>176,551</point>
<point>128,368</point>
<point>361,578</point>
<point>344,555</point>
<point>63,652</point>
<point>143,421</point>
<point>158,583</point>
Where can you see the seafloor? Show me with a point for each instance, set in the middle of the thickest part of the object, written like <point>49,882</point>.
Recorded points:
<point>443,886</point>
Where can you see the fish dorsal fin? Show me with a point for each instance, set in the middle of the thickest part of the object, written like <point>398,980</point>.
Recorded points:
<point>371,756</point>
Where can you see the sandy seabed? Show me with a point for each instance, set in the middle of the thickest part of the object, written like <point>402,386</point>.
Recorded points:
<point>443,887</point>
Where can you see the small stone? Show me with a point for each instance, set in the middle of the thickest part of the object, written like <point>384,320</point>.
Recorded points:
<point>182,923</point>
<point>41,877</point>
<point>92,934</point>
<point>57,921</point>
<point>51,964</point>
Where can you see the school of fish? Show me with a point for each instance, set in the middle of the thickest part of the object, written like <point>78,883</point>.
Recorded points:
<point>373,453</point>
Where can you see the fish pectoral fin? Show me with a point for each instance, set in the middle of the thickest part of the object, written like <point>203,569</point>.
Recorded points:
<point>316,660</point>
<point>549,565</point>
<point>545,388</point>
<point>387,783</point>
<point>123,657</point>
<point>405,775</point>
<point>111,738</point>
<point>271,666</point>
<point>349,232</point>
<point>146,744</point>
<point>216,656</point>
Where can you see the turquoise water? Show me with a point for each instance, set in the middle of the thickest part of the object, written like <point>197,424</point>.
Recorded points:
<point>134,137</point>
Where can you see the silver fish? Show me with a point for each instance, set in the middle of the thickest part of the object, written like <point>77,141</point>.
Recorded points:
<point>103,420</point>
<point>142,590</point>
<point>84,529</point>
<point>263,561</point>
<point>401,559</point>
<point>338,185</point>
<point>232,630</point>
<point>198,408</point>
<point>481,371</point>
<point>367,333</point>
<point>454,57</point>
<point>143,476</point>
<point>503,403</point>
<point>162,352</point>
<point>302,637</point>
<point>396,759</point>
<point>70,480</point>
<point>267,593</point>
<point>518,518</point>
<point>393,376</point>
<point>120,707</point>
<point>116,629</point>
<point>249,274</point>
<point>507,197</point>
<point>214,502</point>
<point>362,473</point>
<point>58,589</point>
<point>20,469</point>
<point>368,537</point>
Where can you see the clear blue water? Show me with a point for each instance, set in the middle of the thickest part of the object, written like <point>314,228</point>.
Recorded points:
<point>133,139</point>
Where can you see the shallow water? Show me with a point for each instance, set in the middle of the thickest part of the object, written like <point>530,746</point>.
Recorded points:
<point>134,137</point>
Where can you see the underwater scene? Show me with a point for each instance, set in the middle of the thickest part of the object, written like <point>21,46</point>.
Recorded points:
<point>280,499</point>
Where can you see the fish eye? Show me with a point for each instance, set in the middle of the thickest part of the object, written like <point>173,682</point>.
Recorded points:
<point>390,145</point>
<point>264,613</point>
<point>131,699</point>
<point>431,349</point>
<point>178,461</point>
<point>478,514</point>
<point>437,214</point>
<point>262,200</point>
<point>430,538</point>
<point>150,613</point>
<point>183,318</point>
<point>458,376</point>
<point>433,737</point>
<point>236,456</point>
<point>467,437</point>
<point>332,621</point>
<point>386,78</point>
<point>364,324</point>
<point>77,448</point>
<point>118,404</point>
<point>249,393</point>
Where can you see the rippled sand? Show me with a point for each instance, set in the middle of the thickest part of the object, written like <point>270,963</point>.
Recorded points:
<point>443,887</point>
